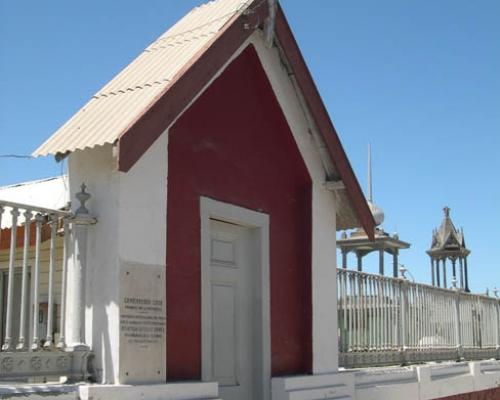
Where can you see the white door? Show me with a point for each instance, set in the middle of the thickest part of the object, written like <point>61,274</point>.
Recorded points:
<point>232,297</point>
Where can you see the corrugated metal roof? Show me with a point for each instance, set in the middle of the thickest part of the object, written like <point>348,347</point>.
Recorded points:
<point>119,103</point>
<point>48,193</point>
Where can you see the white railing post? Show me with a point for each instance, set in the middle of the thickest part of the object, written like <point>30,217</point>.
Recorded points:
<point>39,218</point>
<point>66,231</point>
<point>81,221</point>
<point>458,330</point>
<point>21,345</point>
<point>8,345</point>
<point>52,266</point>
<point>497,324</point>
<point>404,317</point>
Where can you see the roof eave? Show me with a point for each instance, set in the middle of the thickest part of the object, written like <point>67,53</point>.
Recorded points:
<point>324,124</point>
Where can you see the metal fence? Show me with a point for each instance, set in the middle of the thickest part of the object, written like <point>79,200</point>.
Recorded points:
<point>35,248</point>
<point>385,321</point>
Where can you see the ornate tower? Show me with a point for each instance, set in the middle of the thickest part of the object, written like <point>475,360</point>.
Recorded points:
<point>448,243</point>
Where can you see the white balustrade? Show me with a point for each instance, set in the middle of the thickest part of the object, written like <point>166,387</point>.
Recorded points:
<point>35,297</point>
<point>386,321</point>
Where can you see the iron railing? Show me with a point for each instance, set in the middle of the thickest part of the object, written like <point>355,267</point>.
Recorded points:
<point>385,321</point>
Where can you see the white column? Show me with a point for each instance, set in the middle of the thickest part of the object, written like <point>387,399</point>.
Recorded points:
<point>81,221</point>
<point>324,282</point>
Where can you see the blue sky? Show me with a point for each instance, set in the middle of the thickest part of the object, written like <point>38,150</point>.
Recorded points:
<point>420,80</point>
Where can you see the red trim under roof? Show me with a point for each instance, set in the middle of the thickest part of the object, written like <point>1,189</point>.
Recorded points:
<point>198,73</point>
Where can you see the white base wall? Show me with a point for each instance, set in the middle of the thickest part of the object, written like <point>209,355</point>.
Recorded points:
<point>424,382</point>
<point>171,391</point>
<point>327,386</point>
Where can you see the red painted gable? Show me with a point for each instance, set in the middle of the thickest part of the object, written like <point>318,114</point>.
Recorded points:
<point>137,138</point>
<point>234,145</point>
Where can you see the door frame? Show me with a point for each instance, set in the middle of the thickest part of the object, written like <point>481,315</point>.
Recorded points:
<point>210,208</point>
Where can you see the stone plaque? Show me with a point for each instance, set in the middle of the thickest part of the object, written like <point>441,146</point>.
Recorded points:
<point>142,324</point>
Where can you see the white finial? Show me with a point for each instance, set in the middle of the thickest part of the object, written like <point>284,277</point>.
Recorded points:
<point>370,193</point>
<point>83,197</point>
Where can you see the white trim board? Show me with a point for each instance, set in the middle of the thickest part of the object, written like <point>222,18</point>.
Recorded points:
<point>213,209</point>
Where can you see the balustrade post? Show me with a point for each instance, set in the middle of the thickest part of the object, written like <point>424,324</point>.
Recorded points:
<point>52,266</point>
<point>39,218</point>
<point>8,345</point>
<point>403,342</point>
<point>458,330</point>
<point>81,222</point>
<point>66,232</point>
<point>21,345</point>
<point>497,325</point>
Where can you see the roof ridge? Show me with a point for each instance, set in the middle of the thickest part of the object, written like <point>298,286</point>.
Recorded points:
<point>164,38</point>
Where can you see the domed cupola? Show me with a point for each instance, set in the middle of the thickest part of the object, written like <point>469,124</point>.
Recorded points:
<point>377,212</point>
<point>359,243</point>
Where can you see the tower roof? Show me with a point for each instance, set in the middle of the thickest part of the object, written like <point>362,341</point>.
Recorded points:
<point>448,240</point>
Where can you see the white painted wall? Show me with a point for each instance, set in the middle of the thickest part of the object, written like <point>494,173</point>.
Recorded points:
<point>97,168</point>
<point>143,207</point>
<point>131,213</point>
